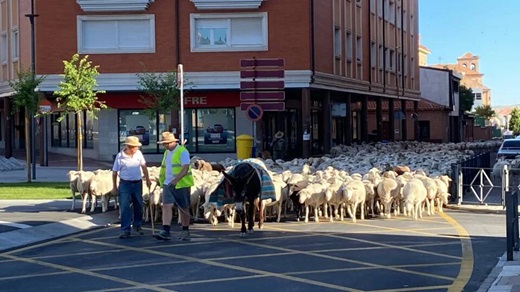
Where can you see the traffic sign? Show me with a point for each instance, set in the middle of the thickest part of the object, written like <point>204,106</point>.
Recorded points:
<point>262,74</point>
<point>253,85</point>
<point>254,112</point>
<point>262,62</point>
<point>266,106</point>
<point>262,95</point>
<point>45,106</point>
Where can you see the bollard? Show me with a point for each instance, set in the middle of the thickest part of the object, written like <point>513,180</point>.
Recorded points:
<point>454,182</point>
<point>512,228</point>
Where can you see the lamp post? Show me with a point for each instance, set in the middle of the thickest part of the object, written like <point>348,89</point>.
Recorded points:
<point>31,17</point>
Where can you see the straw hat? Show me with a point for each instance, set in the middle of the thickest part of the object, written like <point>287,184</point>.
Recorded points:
<point>167,137</point>
<point>132,141</point>
<point>278,135</point>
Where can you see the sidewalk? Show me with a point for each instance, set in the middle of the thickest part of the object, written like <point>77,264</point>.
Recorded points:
<point>57,221</point>
<point>35,221</point>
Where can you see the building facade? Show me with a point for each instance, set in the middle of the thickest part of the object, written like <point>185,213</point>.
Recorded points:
<point>468,66</point>
<point>338,56</point>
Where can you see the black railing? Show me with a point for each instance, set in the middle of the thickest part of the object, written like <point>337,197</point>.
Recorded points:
<point>512,230</point>
<point>469,168</point>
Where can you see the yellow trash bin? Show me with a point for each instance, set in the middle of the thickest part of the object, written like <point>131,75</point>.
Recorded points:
<point>244,146</point>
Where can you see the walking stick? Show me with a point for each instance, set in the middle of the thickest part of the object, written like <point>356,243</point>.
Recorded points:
<point>151,209</point>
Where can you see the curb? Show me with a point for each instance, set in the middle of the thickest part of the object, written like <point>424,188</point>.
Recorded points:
<point>482,209</point>
<point>493,275</point>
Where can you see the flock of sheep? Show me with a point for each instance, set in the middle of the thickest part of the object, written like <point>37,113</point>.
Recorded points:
<point>400,177</point>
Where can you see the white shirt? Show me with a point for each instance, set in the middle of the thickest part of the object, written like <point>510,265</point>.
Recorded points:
<point>185,160</point>
<point>129,168</point>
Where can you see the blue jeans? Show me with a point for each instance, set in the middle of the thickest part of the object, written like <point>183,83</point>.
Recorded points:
<point>130,192</point>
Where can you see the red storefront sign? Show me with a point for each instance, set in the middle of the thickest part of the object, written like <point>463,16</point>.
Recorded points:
<point>191,100</point>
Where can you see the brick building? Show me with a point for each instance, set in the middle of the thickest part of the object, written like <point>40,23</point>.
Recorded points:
<point>468,66</point>
<point>340,56</point>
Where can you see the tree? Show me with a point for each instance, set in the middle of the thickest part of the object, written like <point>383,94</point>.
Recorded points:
<point>485,111</point>
<point>24,98</point>
<point>514,122</point>
<point>76,94</point>
<point>161,94</point>
<point>466,98</point>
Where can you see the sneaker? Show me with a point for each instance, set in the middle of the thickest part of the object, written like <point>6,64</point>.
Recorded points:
<point>163,235</point>
<point>139,230</point>
<point>125,234</point>
<point>185,236</point>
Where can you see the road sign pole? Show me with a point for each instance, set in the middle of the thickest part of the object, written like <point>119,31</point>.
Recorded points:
<point>254,140</point>
<point>180,82</point>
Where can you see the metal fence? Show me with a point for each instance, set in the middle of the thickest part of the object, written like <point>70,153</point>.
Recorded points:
<point>464,171</point>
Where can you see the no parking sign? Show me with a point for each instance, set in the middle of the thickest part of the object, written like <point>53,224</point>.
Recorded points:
<point>254,112</point>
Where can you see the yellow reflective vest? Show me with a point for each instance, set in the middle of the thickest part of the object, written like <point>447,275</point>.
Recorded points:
<point>187,180</point>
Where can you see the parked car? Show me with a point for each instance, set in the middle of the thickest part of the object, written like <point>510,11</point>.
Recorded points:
<point>509,149</point>
<point>142,133</point>
<point>216,134</point>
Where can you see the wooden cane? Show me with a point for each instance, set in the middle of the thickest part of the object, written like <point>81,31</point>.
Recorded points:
<point>151,209</point>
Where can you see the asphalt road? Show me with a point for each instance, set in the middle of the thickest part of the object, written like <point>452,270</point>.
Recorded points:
<point>454,251</point>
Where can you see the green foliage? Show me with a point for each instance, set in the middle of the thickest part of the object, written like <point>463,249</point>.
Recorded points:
<point>485,111</point>
<point>466,98</point>
<point>161,94</point>
<point>76,92</point>
<point>514,122</point>
<point>24,95</point>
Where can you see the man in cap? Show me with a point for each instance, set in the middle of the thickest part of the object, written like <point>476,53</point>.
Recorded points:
<point>128,165</point>
<point>176,179</point>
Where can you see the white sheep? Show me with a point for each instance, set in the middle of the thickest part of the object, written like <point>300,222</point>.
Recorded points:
<point>384,191</point>
<point>355,194</point>
<point>313,195</point>
<point>414,194</point>
<point>102,186</point>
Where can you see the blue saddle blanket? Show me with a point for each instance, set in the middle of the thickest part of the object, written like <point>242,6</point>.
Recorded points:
<point>223,194</point>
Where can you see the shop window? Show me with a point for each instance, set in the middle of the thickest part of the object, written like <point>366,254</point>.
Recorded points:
<point>71,130</point>
<point>210,130</point>
<point>88,135</point>
<point>64,133</point>
<point>214,129</point>
<point>137,123</point>
<point>55,133</point>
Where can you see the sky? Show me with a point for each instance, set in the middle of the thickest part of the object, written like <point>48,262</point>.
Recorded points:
<point>486,28</point>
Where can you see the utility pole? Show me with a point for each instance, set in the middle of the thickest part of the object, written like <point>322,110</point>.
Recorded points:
<point>31,17</point>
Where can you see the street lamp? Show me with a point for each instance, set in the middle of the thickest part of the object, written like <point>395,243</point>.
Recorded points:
<point>31,17</point>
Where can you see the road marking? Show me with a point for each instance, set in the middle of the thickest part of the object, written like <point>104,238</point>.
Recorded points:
<point>466,268</point>
<point>50,242</point>
<point>88,273</point>
<point>15,225</point>
<point>348,260</point>
<point>223,265</point>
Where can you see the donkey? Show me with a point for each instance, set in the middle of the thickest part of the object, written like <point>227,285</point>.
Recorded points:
<point>246,186</point>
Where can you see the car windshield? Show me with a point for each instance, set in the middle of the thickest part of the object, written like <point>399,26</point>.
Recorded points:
<point>511,144</point>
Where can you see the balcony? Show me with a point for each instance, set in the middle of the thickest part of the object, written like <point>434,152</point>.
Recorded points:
<point>227,4</point>
<point>113,5</point>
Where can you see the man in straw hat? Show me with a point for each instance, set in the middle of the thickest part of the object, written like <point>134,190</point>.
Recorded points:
<point>278,146</point>
<point>128,165</point>
<point>176,179</point>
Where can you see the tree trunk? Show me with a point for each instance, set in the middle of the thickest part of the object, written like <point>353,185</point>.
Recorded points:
<point>27,145</point>
<point>79,134</point>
